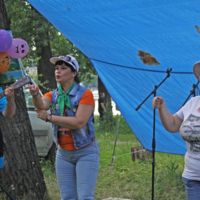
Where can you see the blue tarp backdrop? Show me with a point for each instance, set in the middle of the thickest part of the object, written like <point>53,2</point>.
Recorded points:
<point>131,44</point>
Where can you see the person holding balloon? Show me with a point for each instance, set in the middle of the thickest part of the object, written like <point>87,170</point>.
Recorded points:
<point>7,109</point>
<point>72,107</point>
<point>9,48</point>
<point>15,48</point>
<point>7,105</point>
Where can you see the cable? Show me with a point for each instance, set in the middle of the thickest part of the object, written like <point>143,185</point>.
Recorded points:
<point>140,68</point>
<point>129,153</point>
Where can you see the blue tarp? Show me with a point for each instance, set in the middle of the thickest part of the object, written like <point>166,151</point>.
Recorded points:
<point>131,44</point>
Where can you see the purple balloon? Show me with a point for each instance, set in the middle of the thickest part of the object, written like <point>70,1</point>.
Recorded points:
<point>18,49</point>
<point>5,40</point>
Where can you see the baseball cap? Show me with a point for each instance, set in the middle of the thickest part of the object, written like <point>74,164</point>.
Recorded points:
<point>196,70</point>
<point>68,59</point>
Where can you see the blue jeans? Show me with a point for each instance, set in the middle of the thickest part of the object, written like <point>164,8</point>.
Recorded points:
<point>192,189</point>
<point>77,172</point>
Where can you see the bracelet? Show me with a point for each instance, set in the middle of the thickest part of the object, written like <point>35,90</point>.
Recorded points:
<point>36,94</point>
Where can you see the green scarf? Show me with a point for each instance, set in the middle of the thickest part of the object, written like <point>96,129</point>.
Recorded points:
<point>63,99</point>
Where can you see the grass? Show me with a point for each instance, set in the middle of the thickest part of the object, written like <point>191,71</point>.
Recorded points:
<point>133,180</point>
<point>125,178</point>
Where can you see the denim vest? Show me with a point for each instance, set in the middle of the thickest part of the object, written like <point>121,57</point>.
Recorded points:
<point>82,136</point>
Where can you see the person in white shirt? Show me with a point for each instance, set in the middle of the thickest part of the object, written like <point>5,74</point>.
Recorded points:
<point>187,122</point>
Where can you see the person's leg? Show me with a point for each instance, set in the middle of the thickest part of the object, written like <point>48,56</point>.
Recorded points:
<point>87,168</point>
<point>101,116</point>
<point>192,189</point>
<point>66,175</point>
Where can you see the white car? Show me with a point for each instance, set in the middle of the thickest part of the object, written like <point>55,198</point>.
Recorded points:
<point>42,131</point>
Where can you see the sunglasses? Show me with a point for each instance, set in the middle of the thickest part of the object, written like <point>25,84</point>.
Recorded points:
<point>68,59</point>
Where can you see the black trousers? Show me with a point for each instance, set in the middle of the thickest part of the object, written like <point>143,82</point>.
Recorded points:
<point>101,115</point>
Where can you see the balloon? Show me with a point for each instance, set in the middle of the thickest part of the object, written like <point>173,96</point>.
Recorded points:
<point>4,61</point>
<point>5,40</point>
<point>18,49</point>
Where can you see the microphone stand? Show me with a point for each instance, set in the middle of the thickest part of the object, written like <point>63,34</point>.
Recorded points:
<point>192,92</point>
<point>153,140</point>
<point>113,156</point>
<point>6,191</point>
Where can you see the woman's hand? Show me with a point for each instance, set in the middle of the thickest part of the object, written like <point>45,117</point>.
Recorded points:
<point>33,89</point>
<point>9,92</point>
<point>42,114</point>
<point>171,122</point>
<point>157,102</point>
<point>39,102</point>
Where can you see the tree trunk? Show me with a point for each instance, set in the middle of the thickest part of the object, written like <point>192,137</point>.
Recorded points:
<point>46,69</point>
<point>4,23</point>
<point>109,121</point>
<point>22,174</point>
<point>101,88</point>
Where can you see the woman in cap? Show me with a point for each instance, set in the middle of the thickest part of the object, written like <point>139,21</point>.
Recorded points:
<point>72,107</point>
<point>187,122</point>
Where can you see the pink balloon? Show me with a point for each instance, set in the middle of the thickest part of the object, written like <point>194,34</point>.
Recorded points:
<point>18,49</point>
<point>5,40</point>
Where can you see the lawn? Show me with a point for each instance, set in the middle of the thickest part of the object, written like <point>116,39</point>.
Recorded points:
<point>125,178</point>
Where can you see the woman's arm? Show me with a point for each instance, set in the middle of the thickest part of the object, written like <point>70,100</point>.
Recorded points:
<point>171,122</point>
<point>39,102</point>
<point>82,116</point>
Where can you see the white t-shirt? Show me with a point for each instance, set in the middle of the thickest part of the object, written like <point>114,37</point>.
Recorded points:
<point>190,132</point>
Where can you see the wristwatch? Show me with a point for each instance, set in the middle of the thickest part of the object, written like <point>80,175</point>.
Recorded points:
<point>49,117</point>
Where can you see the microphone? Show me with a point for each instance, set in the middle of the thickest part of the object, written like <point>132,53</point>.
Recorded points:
<point>196,70</point>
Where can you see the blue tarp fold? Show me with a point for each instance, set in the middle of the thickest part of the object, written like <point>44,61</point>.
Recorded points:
<point>131,44</point>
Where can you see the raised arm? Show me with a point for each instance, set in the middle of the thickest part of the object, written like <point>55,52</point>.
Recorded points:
<point>39,102</point>
<point>171,122</point>
<point>10,106</point>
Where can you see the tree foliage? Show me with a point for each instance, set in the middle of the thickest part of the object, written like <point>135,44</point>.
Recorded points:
<point>28,24</point>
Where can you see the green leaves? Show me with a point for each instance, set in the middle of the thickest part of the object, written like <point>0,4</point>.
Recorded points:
<point>28,24</point>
